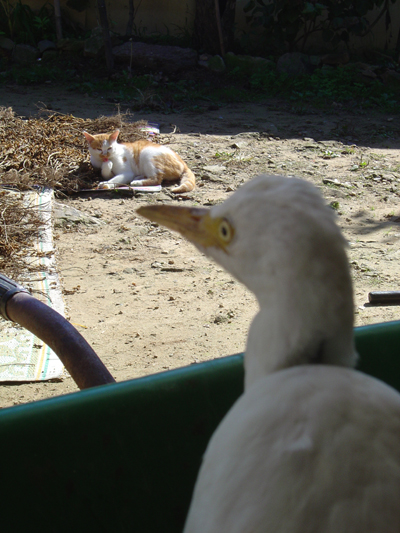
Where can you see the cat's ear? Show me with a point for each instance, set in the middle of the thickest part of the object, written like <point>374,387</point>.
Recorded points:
<point>114,136</point>
<point>88,137</point>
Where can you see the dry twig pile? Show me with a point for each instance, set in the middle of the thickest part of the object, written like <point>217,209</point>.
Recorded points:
<point>49,151</point>
<point>19,227</point>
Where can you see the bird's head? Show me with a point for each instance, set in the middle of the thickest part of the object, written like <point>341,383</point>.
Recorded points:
<point>278,237</point>
<point>270,228</point>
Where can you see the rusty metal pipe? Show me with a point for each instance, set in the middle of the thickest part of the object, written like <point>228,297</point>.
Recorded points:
<point>78,357</point>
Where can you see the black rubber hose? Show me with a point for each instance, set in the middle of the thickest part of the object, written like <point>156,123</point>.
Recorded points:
<point>78,357</point>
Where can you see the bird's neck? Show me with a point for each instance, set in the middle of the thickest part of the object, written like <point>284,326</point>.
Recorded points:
<point>280,338</point>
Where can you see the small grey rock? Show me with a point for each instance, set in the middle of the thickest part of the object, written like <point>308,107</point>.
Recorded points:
<point>214,169</point>
<point>216,64</point>
<point>46,45</point>
<point>239,145</point>
<point>155,56</point>
<point>6,44</point>
<point>64,214</point>
<point>292,64</point>
<point>271,129</point>
<point>71,45</point>
<point>24,54</point>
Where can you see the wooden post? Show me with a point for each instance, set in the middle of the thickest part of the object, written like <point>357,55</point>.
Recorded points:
<point>101,6</point>
<point>219,28</point>
<point>214,25</point>
<point>57,15</point>
<point>131,18</point>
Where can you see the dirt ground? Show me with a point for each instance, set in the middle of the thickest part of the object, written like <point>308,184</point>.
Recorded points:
<point>148,301</point>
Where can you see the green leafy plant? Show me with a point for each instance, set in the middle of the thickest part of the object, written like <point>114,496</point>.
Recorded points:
<point>19,22</point>
<point>42,24</point>
<point>223,155</point>
<point>338,85</point>
<point>6,9</point>
<point>287,25</point>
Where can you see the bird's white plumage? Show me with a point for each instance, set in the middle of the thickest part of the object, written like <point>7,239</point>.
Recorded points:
<point>290,253</point>
<point>308,448</point>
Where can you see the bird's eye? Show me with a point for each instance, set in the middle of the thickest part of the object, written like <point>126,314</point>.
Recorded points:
<point>225,231</point>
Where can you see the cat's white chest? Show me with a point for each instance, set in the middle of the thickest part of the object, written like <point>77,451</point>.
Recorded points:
<point>118,166</point>
<point>121,162</point>
<point>95,160</point>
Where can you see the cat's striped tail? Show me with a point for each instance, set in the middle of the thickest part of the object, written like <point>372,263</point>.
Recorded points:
<point>187,182</point>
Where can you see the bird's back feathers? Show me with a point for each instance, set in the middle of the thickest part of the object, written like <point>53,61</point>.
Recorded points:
<point>309,449</point>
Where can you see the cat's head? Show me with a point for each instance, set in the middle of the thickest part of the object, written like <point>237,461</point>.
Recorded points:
<point>102,144</point>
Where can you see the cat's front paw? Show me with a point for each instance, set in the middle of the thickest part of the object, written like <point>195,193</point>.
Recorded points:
<point>106,185</point>
<point>136,183</point>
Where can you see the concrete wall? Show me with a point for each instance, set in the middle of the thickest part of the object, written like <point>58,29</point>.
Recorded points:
<point>152,15</point>
<point>176,16</point>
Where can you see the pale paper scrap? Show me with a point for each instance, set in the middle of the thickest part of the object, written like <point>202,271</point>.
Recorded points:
<point>24,357</point>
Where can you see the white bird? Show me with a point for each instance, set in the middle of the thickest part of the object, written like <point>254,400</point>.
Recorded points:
<point>312,445</point>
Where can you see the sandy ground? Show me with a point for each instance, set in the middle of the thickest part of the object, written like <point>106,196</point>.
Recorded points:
<point>145,299</point>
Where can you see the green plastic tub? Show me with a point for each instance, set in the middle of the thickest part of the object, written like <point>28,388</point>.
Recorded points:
<point>124,457</point>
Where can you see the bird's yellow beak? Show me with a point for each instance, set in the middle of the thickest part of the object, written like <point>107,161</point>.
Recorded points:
<point>194,223</point>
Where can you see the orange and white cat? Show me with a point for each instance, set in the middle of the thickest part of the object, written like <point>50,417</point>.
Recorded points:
<point>138,163</point>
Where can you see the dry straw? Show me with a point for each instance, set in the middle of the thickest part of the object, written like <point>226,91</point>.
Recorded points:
<point>48,150</point>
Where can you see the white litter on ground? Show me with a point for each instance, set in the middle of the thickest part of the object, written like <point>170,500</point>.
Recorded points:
<point>24,357</point>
